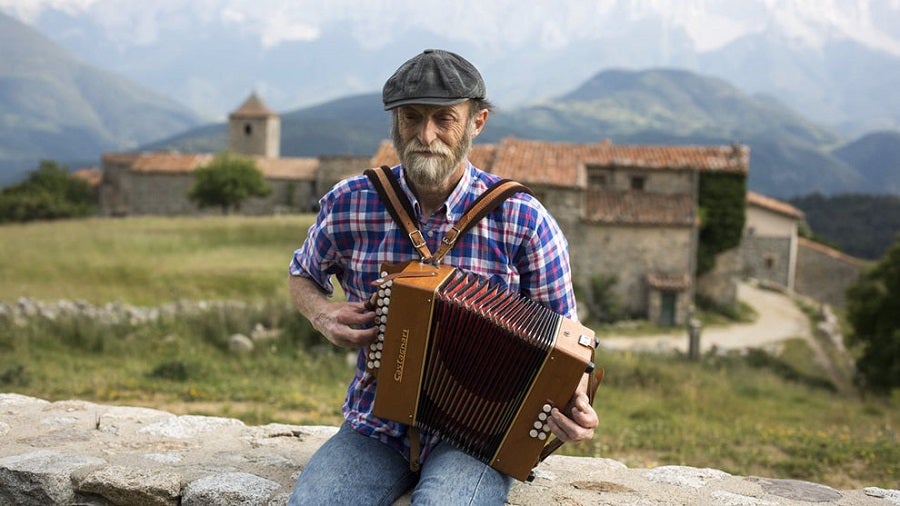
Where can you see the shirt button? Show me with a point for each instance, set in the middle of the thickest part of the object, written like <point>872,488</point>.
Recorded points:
<point>431,233</point>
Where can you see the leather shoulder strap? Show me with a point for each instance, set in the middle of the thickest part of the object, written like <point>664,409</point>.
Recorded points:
<point>398,206</point>
<point>483,205</point>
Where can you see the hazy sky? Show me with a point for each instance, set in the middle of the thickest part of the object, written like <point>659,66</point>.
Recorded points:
<point>550,23</point>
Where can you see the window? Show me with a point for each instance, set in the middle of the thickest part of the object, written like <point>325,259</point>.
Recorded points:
<point>598,176</point>
<point>637,182</point>
<point>248,129</point>
<point>770,262</point>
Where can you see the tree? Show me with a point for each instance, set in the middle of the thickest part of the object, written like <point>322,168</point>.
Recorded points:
<point>49,192</point>
<point>873,310</point>
<point>227,182</point>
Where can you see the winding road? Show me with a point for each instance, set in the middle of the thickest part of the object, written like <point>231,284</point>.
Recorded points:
<point>778,319</point>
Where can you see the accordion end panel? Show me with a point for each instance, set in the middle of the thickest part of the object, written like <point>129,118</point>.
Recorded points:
<point>405,340</point>
<point>554,386</point>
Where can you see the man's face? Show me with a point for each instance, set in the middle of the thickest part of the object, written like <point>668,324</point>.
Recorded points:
<point>432,141</point>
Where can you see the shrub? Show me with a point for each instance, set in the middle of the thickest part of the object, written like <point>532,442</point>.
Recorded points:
<point>50,192</point>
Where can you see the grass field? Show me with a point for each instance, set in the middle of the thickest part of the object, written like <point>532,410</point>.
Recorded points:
<point>779,416</point>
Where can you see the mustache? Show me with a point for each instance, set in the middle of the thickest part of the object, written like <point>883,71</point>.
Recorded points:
<point>435,148</point>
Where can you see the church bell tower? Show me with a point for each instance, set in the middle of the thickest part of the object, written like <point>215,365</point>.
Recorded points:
<point>254,129</point>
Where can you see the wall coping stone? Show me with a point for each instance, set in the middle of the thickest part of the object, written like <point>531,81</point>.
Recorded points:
<point>76,452</point>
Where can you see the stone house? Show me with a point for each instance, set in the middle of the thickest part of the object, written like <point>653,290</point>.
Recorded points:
<point>157,183</point>
<point>629,212</point>
<point>772,252</point>
<point>770,241</point>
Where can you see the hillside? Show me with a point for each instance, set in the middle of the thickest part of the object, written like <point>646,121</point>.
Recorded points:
<point>836,62</point>
<point>877,157</point>
<point>789,155</point>
<point>864,226</point>
<point>52,106</point>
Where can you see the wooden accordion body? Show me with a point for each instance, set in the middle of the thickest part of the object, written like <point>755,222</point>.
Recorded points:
<point>480,365</point>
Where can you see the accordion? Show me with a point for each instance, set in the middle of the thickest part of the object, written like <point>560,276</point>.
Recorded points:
<point>480,365</point>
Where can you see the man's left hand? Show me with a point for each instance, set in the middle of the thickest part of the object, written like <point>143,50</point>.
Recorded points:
<point>577,420</point>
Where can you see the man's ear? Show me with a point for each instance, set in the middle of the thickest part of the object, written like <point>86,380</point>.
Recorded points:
<point>480,120</point>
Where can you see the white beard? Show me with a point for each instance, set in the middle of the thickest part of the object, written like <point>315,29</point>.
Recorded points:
<point>433,171</point>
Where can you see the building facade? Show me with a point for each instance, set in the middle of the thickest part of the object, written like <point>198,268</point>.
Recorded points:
<point>629,213</point>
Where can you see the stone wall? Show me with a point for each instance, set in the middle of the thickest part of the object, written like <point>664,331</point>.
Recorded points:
<point>767,259</point>
<point>824,274</point>
<point>74,452</point>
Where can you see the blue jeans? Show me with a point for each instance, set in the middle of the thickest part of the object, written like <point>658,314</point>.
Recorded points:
<point>351,468</point>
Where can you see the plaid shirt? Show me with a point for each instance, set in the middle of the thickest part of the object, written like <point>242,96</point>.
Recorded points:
<point>519,245</point>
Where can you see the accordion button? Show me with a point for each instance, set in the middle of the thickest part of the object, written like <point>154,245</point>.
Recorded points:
<point>538,425</point>
<point>381,328</point>
<point>533,433</point>
<point>372,347</point>
<point>371,364</point>
<point>379,346</point>
<point>384,274</point>
<point>378,355</point>
<point>381,337</point>
<point>377,364</point>
<point>542,436</point>
<point>384,310</point>
<point>387,301</point>
<point>545,428</point>
<point>387,292</point>
<point>546,408</point>
<point>542,416</point>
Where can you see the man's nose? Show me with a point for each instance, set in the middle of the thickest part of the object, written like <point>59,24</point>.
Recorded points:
<point>427,132</point>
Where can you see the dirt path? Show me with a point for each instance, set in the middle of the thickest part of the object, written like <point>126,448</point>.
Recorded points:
<point>779,319</point>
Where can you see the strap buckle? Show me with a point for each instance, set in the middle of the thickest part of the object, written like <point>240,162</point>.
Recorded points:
<point>419,240</point>
<point>450,238</point>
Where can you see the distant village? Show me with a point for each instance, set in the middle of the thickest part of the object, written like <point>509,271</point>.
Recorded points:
<point>630,211</point>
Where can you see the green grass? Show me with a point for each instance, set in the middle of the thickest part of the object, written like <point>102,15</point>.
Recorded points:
<point>780,415</point>
<point>149,261</point>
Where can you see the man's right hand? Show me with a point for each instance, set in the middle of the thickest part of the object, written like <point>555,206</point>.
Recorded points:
<point>345,324</point>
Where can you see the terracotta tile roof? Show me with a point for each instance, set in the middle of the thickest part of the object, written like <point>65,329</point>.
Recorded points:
<point>119,158</point>
<point>184,163</point>
<point>558,163</point>
<point>253,107</point>
<point>662,281</point>
<point>774,205</point>
<point>639,208</point>
<point>92,175</point>
<point>482,155</point>
<point>288,168</point>
<point>171,163</point>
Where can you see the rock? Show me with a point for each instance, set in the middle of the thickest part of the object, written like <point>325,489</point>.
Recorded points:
<point>75,452</point>
<point>240,344</point>
<point>228,489</point>
<point>40,477</point>
<point>130,485</point>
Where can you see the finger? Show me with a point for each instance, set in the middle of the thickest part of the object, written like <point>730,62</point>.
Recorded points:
<point>353,338</point>
<point>568,429</point>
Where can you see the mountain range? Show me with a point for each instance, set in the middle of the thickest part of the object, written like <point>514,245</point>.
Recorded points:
<point>53,105</point>
<point>835,62</point>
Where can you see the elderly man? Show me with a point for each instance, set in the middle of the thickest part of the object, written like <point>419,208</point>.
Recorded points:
<point>437,101</point>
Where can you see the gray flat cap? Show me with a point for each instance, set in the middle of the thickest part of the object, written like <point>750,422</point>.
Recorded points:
<point>435,77</point>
